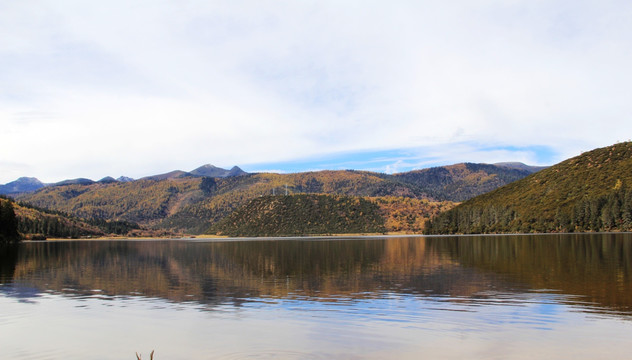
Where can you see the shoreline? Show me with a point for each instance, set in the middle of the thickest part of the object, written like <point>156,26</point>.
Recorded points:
<point>202,238</point>
<point>225,237</point>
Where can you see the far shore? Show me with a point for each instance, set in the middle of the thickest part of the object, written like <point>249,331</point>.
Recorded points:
<point>210,237</point>
<point>225,237</point>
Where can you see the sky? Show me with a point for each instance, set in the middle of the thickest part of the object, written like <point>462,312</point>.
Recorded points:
<point>136,88</point>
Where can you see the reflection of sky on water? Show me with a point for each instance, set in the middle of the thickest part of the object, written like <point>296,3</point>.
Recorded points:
<point>392,325</point>
<point>23,293</point>
<point>379,305</point>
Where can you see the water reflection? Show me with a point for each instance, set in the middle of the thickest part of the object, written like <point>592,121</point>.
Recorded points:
<point>8,260</point>
<point>593,267</point>
<point>591,272</point>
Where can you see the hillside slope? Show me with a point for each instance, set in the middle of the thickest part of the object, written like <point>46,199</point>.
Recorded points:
<point>142,201</point>
<point>36,224</point>
<point>587,192</point>
<point>32,223</point>
<point>302,215</point>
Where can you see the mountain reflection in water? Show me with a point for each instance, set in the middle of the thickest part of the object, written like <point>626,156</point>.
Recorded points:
<point>591,272</point>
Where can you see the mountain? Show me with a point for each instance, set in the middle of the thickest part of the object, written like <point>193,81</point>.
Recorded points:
<point>453,183</point>
<point>21,185</point>
<point>463,181</point>
<point>181,202</point>
<point>31,184</point>
<point>107,180</point>
<point>590,192</point>
<point>203,171</point>
<point>124,179</point>
<point>209,170</point>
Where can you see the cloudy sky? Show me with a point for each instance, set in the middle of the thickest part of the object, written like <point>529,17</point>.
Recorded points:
<point>119,87</point>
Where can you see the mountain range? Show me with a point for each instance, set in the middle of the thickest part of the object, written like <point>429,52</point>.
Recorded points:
<point>190,202</point>
<point>589,192</point>
<point>31,184</point>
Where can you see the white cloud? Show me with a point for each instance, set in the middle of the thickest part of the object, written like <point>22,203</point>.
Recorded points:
<point>135,88</point>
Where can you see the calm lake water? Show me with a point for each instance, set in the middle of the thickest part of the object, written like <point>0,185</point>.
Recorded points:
<point>487,297</point>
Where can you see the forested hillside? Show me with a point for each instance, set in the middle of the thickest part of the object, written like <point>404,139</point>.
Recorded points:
<point>302,215</point>
<point>142,201</point>
<point>35,223</point>
<point>283,215</point>
<point>19,221</point>
<point>588,192</point>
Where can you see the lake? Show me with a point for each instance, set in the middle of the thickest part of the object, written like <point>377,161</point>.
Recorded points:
<point>448,297</point>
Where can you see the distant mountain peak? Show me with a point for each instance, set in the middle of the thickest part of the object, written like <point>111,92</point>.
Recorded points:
<point>236,171</point>
<point>21,185</point>
<point>107,180</point>
<point>124,179</point>
<point>209,170</point>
